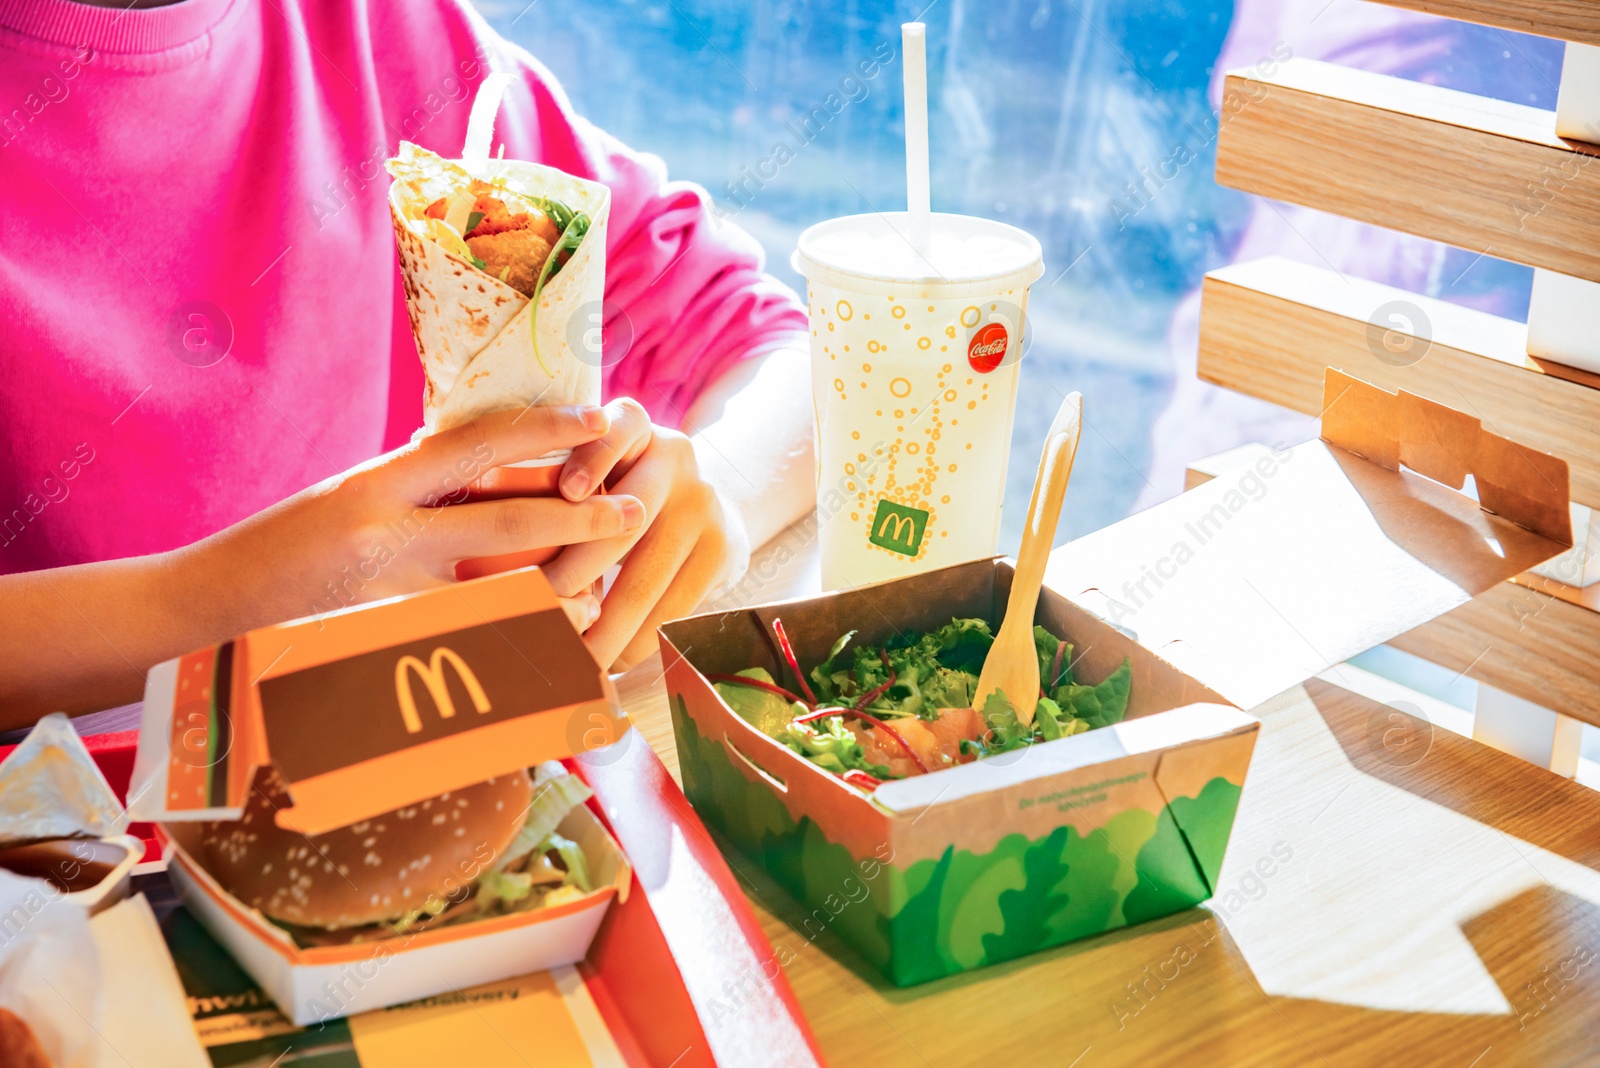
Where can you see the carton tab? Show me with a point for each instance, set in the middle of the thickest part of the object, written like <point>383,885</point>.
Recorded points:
<point>1394,430</point>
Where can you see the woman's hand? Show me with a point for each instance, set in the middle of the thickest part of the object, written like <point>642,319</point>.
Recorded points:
<point>386,527</point>
<point>690,543</point>
<point>397,525</point>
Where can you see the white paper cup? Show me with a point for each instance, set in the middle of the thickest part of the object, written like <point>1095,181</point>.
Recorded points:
<point>914,381</point>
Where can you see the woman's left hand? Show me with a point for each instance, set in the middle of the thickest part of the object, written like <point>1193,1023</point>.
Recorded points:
<point>690,543</point>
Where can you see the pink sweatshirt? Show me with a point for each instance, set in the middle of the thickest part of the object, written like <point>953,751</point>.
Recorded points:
<point>200,309</point>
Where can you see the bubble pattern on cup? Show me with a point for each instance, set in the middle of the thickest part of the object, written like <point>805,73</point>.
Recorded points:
<point>913,408</point>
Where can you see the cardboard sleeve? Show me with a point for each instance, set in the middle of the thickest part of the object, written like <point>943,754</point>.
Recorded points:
<point>374,707</point>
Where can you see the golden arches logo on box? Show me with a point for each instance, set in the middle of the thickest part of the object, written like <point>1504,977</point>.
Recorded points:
<point>433,678</point>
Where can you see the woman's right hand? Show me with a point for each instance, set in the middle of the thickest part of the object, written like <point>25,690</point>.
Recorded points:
<point>395,524</point>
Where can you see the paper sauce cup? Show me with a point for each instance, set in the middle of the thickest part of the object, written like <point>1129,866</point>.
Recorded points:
<point>914,378</point>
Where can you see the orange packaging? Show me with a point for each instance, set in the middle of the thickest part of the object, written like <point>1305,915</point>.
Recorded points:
<point>366,710</point>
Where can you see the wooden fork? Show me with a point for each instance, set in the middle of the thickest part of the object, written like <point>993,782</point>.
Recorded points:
<point>1012,666</point>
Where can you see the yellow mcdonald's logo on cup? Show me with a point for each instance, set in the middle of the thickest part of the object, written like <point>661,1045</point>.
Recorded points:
<point>432,676</point>
<point>905,528</point>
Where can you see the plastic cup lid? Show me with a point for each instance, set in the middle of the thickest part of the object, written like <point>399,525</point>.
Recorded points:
<point>873,254</point>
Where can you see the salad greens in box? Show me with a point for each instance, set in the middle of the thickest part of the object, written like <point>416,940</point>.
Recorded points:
<point>871,713</point>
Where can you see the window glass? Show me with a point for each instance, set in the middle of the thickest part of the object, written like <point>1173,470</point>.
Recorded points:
<point>1089,123</point>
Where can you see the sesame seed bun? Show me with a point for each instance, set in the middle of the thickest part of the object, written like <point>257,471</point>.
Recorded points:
<point>373,871</point>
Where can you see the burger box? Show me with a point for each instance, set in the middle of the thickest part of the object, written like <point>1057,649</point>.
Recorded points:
<point>363,711</point>
<point>680,973</point>
<point>1219,598</point>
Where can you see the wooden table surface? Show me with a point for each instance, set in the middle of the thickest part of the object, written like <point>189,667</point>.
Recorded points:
<point>1393,894</point>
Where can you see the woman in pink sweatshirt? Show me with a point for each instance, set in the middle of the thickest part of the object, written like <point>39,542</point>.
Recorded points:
<point>205,351</point>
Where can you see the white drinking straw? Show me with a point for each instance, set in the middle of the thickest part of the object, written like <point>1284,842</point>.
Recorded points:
<point>913,41</point>
<point>480,121</point>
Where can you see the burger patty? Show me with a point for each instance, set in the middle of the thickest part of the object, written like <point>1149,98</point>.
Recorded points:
<point>373,871</point>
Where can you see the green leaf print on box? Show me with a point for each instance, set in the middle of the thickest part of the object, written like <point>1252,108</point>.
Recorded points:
<point>898,527</point>
<point>938,916</point>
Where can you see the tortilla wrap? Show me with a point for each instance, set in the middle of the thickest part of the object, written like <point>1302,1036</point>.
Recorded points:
<point>473,331</point>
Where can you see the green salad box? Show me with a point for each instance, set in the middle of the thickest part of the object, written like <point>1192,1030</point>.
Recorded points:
<point>985,861</point>
<point>1219,599</point>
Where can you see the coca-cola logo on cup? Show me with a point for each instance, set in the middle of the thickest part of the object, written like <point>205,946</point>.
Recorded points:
<point>988,347</point>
